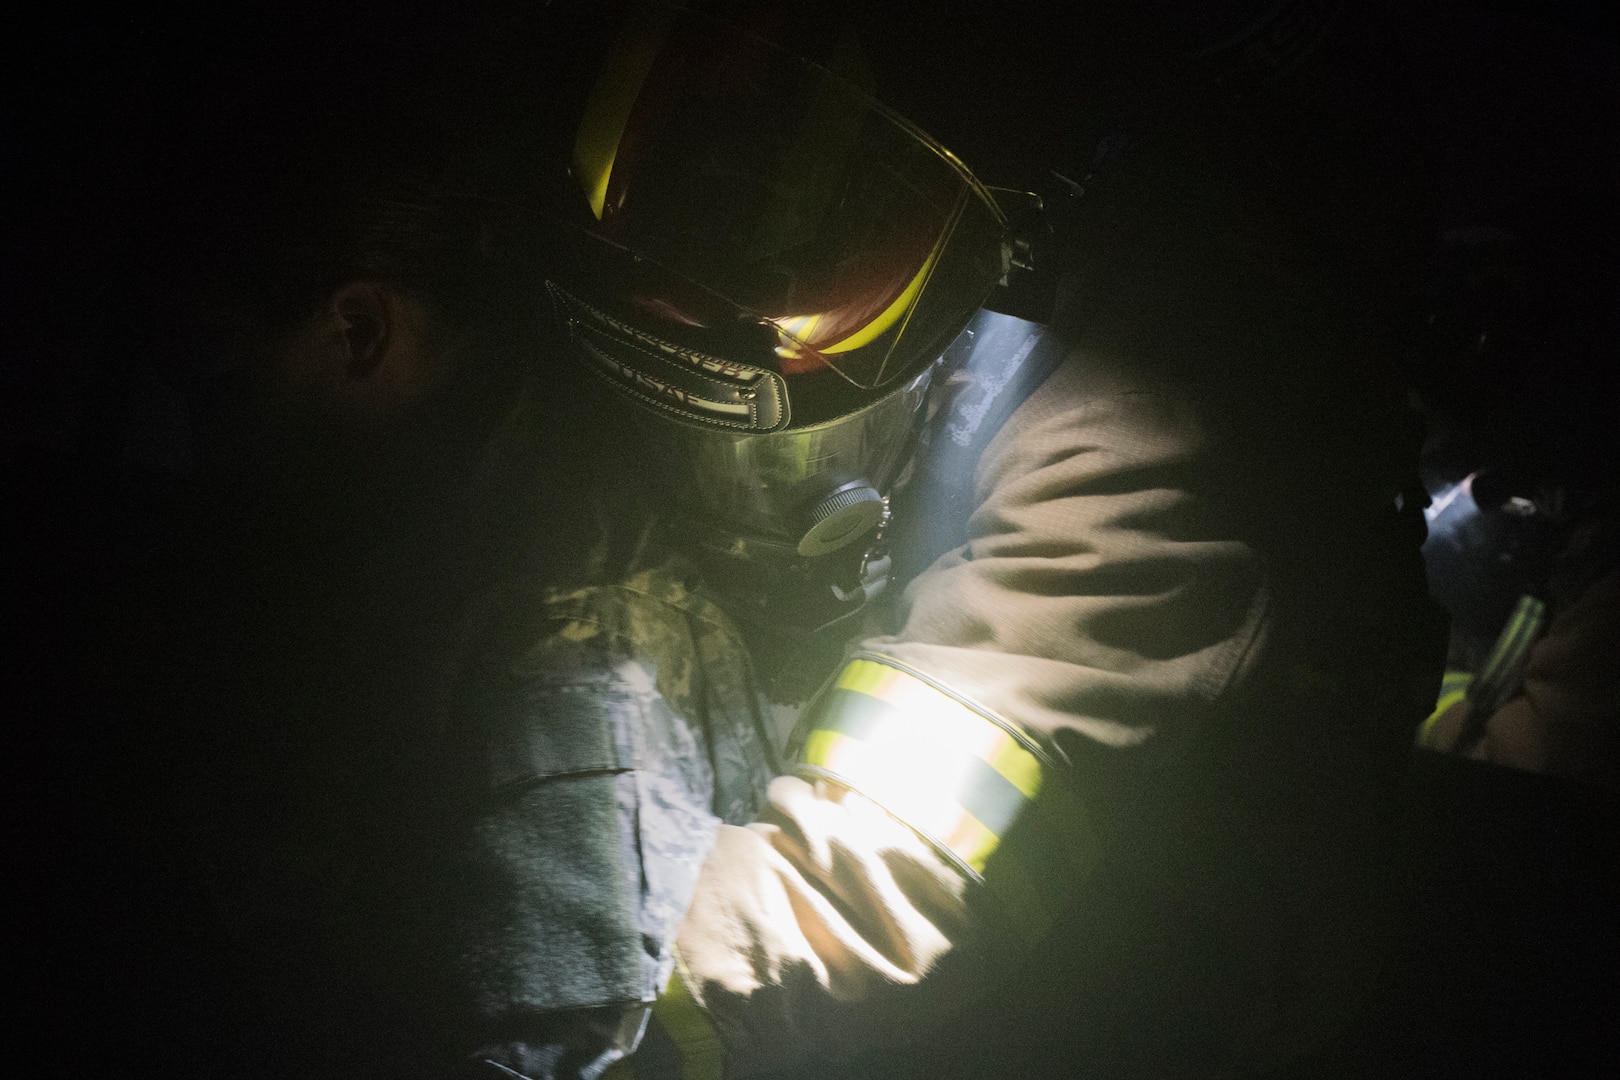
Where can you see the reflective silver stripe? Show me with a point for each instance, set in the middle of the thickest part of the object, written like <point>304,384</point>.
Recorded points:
<point>962,779</point>
<point>948,770</point>
<point>1503,670</point>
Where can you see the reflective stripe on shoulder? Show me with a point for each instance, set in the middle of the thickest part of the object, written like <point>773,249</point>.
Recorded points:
<point>1453,688</point>
<point>950,771</point>
<point>1501,675</point>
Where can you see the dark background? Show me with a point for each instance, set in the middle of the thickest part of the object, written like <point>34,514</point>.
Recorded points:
<point>1517,101</point>
<point>1512,952</point>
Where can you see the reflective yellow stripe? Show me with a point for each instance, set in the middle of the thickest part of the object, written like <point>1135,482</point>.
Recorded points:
<point>683,1019</point>
<point>946,718</point>
<point>1453,688</point>
<point>1446,701</point>
<point>1507,655</point>
<point>954,774</point>
<point>866,677</point>
<point>972,841</point>
<point>612,100</point>
<point>1019,766</point>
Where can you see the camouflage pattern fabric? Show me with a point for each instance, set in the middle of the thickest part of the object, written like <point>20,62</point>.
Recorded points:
<point>698,664</point>
<point>616,742</point>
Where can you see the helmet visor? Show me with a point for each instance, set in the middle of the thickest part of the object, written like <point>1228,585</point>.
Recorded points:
<point>785,195</point>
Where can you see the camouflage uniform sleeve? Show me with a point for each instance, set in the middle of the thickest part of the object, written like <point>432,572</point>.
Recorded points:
<point>608,751</point>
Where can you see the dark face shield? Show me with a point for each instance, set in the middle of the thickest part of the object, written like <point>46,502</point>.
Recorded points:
<point>769,261</point>
<point>763,220</point>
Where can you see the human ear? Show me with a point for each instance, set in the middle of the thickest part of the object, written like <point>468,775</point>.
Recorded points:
<point>369,344</point>
<point>361,311</point>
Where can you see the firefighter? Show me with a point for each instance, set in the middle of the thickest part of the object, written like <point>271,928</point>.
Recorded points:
<point>1096,777</point>
<point>1522,537</point>
<point>1142,622</point>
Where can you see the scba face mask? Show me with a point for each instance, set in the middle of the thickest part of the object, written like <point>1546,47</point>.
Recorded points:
<point>767,261</point>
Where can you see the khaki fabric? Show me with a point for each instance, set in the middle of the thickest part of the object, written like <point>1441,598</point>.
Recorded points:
<point>1097,588</point>
<point>1100,604</point>
<point>1185,574</point>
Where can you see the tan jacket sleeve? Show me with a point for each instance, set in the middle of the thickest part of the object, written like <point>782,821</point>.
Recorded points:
<point>1098,603</point>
